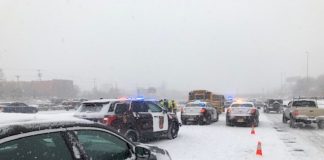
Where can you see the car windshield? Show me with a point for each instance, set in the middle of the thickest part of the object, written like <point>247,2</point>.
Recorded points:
<point>92,107</point>
<point>241,105</point>
<point>304,104</point>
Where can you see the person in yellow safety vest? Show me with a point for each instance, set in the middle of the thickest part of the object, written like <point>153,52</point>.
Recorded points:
<point>174,106</point>
<point>166,104</point>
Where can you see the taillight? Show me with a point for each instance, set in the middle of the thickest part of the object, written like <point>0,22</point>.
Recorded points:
<point>108,120</point>
<point>203,110</point>
<point>252,111</point>
<point>1,109</point>
<point>295,113</point>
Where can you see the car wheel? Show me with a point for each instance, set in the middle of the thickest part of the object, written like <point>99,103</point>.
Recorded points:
<point>256,123</point>
<point>217,118</point>
<point>228,122</point>
<point>284,119</point>
<point>292,123</point>
<point>132,136</point>
<point>184,122</point>
<point>209,119</point>
<point>200,121</point>
<point>173,131</point>
<point>320,124</point>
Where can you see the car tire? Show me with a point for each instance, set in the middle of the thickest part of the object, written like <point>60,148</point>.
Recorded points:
<point>209,119</point>
<point>292,123</point>
<point>256,123</point>
<point>284,119</point>
<point>184,122</point>
<point>200,122</point>
<point>228,123</point>
<point>320,124</point>
<point>217,118</point>
<point>173,131</point>
<point>132,136</point>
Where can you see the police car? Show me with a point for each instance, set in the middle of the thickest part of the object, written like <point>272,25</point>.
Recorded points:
<point>137,119</point>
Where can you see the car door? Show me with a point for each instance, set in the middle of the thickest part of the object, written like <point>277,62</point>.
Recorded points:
<point>103,145</point>
<point>160,118</point>
<point>143,119</point>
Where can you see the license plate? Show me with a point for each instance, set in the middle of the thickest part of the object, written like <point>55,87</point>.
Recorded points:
<point>240,120</point>
<point>191,119</point>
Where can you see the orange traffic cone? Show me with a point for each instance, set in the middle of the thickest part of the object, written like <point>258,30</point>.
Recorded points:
<point>252,131</point>
<point>259,149</point>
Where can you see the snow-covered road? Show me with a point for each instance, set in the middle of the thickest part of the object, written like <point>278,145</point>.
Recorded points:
<point>218,141</point>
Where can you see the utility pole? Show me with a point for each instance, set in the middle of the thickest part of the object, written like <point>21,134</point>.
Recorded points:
<point>39,75</point>
<point>17,77</point>
<point>307,65</point>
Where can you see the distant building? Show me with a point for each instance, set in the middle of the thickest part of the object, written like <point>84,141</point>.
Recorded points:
<point>39,89</point>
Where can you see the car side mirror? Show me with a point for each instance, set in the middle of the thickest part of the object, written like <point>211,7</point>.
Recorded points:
<point>142,153</point>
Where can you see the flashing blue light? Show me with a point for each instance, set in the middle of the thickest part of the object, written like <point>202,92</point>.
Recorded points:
<point>230,97</point>
<point>202,104</point>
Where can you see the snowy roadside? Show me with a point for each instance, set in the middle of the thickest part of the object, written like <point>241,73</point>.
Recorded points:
<point>217,141</point>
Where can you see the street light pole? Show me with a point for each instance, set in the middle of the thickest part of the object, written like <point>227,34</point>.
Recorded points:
<point>307,67</point>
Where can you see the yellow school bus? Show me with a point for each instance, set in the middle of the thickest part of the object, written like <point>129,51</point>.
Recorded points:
<point>217,100</point>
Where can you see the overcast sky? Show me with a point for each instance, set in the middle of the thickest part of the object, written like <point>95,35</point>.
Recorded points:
<point>221,45</point>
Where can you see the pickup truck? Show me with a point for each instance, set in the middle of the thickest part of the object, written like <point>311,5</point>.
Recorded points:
<point>303,111</point>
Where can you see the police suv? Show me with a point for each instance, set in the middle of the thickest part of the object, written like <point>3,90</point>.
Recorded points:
<point>137,119</point>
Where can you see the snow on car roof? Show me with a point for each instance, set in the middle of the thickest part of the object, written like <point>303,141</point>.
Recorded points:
<point>100,101</point>
<point>304,99</point>
<point>9,119</point>
<point>243,103</point>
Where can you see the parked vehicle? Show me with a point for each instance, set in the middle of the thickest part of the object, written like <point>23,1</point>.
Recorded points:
<point>242,113</point>
<point>259,104</point>
<point>273,105</point>
<point>199,112</point>
<point>217,100</point>
<point>73,104</point>
<point>50,138</point>
<point>303,111</point>
<point>137,119</point>
<point>17,107</point>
